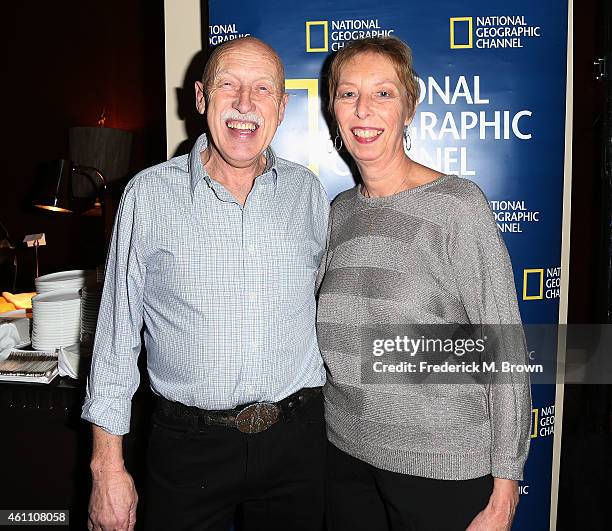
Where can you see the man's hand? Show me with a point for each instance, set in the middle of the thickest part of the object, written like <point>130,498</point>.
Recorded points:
<point>499,512</point>
<point>112,505</point>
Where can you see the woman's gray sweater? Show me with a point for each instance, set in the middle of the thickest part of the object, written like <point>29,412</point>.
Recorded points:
<point>431,255</point>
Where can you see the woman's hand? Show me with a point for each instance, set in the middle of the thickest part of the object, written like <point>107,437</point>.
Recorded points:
<point>499,512</point>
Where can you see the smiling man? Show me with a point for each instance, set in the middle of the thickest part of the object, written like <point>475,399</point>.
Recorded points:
<point>215,253</point>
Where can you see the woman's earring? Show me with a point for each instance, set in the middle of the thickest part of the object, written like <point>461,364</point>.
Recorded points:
<point>338,140</point>
<point>407,140</point>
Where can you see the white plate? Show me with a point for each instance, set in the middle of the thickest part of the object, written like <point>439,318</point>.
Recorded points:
<point>73,303</point>
<point>59,317</point>
<point>57,332</point>
<point>56,320</point>
<point>53,311</point>
<point>66,282</point>
<point>45,288</point>
<point>67,275</point>
<point>59,295</point>
<point>56,340</point>
<point>57,325</point>
<point>50,337</point>
<point>46,307</point>
<point>52,333</point>
<point>59,305</point>
<point>58,335</point>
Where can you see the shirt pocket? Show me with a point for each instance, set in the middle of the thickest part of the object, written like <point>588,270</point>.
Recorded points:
<point>293,265</point>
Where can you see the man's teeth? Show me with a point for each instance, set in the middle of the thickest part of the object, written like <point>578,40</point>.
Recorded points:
<point>366,133</point>
<point>247,126</point>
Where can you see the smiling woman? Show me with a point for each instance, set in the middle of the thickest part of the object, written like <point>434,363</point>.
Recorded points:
<point>411,247</point>
<point>373,96</point>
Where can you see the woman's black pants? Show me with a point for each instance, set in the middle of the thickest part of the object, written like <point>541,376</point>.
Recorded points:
<point>361,497</point>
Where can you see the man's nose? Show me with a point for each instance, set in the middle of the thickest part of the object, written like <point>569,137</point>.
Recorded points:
<point>362,109</point>
<point>244,102</point>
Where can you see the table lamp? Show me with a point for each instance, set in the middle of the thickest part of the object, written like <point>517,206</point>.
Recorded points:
<point>60,198</point>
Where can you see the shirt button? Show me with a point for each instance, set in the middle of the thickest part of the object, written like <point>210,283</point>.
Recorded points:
<point>253,344</point>
<point>251,248</point>
<point>252,296</point>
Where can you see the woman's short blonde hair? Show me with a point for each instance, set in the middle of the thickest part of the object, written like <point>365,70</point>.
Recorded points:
<point>397,51</point>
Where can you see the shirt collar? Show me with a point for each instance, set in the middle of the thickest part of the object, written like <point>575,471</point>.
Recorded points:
<point>197,171</point>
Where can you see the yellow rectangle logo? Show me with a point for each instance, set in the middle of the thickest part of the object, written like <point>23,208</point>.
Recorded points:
<point>453,40</point>
<point>534,423</point>
<point>312,88</point>
<point>325,44</point>
<point>527,273</point>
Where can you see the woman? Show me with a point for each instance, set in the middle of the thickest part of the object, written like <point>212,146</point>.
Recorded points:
<point>410,246</point>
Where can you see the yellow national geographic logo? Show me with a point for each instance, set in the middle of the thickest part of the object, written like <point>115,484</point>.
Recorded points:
<point>533,284</point>
<point>317,36</point>
<point>534,422</point>
<point>461,32</point>
<point>312,88</point>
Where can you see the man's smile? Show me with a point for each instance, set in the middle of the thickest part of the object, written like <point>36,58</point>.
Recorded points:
<point>243,126</point>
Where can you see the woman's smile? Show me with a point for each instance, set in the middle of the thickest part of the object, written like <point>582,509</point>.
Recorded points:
<point>366,135</point>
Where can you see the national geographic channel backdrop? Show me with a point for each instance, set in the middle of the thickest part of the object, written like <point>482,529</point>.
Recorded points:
<point>492,109</point>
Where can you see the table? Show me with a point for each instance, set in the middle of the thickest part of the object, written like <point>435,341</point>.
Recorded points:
<point>46,447</point>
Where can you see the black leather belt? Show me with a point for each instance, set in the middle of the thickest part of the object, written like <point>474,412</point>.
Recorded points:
<point>251,418</point>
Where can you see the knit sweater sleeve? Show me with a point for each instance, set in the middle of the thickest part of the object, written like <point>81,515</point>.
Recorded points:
<point>485,282</point>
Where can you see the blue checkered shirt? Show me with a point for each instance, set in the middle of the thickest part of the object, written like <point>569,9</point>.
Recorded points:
<point>225,292</point>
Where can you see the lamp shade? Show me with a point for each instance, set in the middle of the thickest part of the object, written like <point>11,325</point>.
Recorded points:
<point>54,190</point>
<point>104,148</point>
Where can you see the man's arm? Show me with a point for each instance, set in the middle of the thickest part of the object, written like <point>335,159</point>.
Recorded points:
<point>113,500</point>
<point>114,375</point>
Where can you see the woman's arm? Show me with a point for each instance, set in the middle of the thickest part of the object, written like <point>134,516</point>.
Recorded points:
<point>485,281</point>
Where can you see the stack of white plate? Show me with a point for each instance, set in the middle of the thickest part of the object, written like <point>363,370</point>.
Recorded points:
<point>56,319</point>
<point>90,306</point>
<point>73,280</point>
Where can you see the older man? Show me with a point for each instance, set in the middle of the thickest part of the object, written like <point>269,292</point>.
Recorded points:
<point>216,254</point>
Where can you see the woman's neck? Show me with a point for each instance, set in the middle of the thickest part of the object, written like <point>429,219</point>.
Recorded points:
<point>380,180</point>
<point>391,178</point>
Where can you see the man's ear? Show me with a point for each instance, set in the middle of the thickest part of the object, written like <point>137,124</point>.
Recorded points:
<point>282,107</point>
<point>200,97</point>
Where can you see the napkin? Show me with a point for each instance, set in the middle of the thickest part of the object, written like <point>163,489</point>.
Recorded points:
<point>9,338</point>
<point>74,361</point>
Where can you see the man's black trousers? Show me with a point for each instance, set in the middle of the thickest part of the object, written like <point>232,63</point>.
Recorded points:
<point>206,477</point>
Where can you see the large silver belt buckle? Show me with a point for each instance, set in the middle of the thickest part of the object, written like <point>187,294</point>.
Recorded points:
<point>257,417</point>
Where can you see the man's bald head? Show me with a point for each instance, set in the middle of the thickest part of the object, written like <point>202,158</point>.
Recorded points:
<point>253,43</point>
